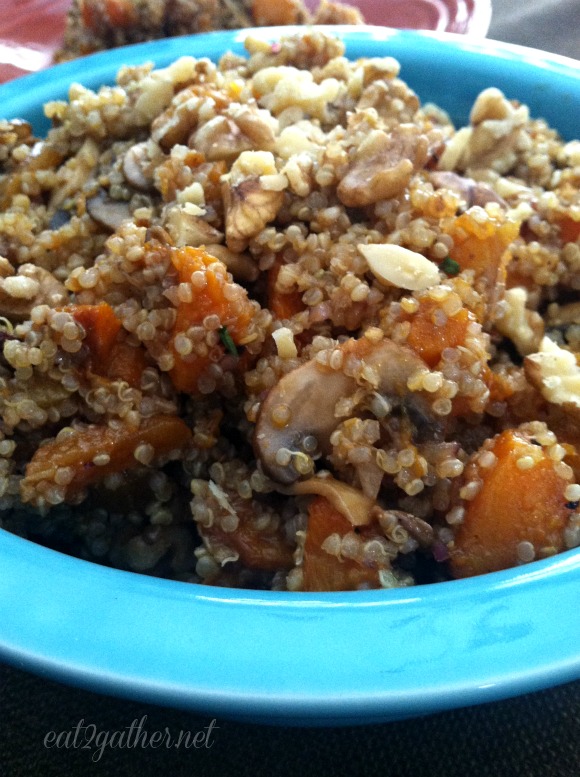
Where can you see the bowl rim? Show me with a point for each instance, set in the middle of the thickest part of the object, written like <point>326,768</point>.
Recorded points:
<point>347,657</point>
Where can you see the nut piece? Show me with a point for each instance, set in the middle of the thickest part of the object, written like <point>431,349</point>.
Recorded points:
<point>383,165</point>
<point>555,373</point>
<point>524,328</point>
<point>248,209</point>
<point>398,266</point>
<point>30,287</point>
<point>187,228</point>
<point>285,345</point>
<point>139,164</point>
<point>252,196</point>
<point>287,87</point>
<point>492,140</point>
<point>243,128</point>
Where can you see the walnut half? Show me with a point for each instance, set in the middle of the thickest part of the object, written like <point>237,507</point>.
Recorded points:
<point>383,165</point>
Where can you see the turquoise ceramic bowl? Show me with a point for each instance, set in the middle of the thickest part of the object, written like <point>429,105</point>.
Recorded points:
<point>286,658</point>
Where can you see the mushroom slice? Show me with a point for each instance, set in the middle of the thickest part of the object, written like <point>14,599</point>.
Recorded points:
<point>472,192</point>
<point>419,529</point>
<point>349,501</point>
<point>242,266</point>
<point>308,395</point>
<point>108,213</point>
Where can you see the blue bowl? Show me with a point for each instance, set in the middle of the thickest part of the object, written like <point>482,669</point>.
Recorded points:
<point>308,659</point>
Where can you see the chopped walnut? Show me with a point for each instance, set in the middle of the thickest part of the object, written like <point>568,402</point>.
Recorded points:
<point>256,124</point>
<point>524,327</point>
<point>252,194</point>
<point>249,208</point>
<point>300,174</point>
<point>187,228</point>
<point>492,140</point>
<point>177,123</point>
<point>554,371</point>
<point>30,287</point>
<point>383,165</point>
<point>287,87</point>
<point>227,136</point>
<point>139,164</point>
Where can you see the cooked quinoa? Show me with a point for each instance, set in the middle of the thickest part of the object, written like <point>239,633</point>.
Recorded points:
<point>273,323</point>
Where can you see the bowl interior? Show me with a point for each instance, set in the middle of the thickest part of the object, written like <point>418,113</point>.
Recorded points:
<point>303,658</point>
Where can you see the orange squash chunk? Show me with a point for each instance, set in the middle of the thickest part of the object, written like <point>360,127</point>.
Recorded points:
<point>102,328</point>
<point>211,298</point>
<point>514,505</point>
<point>89,455</point>
<point>569,230</point>
<point>482,247</point>
<point>265,549</point>
<point>323,571</point>
<point>109,354</point>
<point>429,340</point>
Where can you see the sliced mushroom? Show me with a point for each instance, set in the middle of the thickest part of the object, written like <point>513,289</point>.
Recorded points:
<point>417,527</point>
<point>471,192</point>
<point>350,502</point>
<point>108,213</point>
<point>241,266</point>
<point>298,416</point>
<point>383,165</point>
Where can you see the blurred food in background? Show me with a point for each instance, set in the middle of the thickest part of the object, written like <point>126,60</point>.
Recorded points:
<point>94,25</point>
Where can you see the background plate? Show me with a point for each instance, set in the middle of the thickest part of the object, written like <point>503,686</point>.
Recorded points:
<point>33,30</point>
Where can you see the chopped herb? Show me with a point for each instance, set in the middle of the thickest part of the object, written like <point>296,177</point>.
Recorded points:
<point>226,339</point>
<point>450,266</point>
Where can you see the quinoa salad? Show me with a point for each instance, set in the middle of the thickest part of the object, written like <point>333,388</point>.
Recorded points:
<point>273,323</point>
